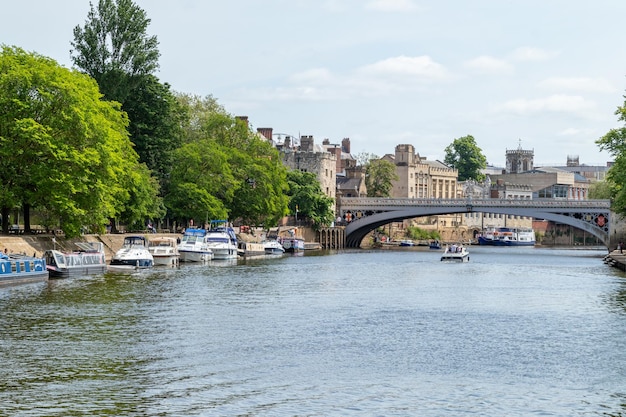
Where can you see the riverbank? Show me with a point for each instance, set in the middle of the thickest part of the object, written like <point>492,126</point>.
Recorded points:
<point>38,244</point>
<point>616,259</point>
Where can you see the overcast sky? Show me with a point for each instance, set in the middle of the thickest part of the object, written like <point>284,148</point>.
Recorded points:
<point>546,74</point>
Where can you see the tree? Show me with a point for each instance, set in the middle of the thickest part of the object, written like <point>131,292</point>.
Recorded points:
<point>113,47</point>
<point>379,177</point>
<point>307,198</point>
<point>600,190</point>
<point>242,173</point>
<point>63,149</point>
<point>466,157</point>
<point>155,126</point>
<point>614,142</point>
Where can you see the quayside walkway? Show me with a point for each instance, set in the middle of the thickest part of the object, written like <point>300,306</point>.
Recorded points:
<point>362,215</point>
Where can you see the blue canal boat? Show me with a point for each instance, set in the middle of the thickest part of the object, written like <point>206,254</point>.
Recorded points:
<point>21,269</point>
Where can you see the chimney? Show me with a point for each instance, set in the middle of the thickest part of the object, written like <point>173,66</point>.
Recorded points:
<point>266,132</point>
<point>345,145</point>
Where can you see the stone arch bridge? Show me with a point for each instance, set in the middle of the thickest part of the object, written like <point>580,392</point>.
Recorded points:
<point>363,215</point>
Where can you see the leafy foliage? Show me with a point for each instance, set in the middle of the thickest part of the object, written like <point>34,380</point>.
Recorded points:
<point>467,158</point>
<point>614,141</point>
<point>63,149</point>
<point>113,47</point>
<point>232,172</point>
<point>420,234</point>
<point>379,177</point>
<point>307,198</point>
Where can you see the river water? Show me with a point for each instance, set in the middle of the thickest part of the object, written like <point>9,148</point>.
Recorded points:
<point>514,332</point>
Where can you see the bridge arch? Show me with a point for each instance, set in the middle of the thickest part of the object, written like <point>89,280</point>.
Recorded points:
<point>366,214</point>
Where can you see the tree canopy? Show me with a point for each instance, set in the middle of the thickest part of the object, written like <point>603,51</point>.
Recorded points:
<point>308,199</point>
<point>379,177</point>
<point>113,47</point>
<point>466,157</point>
<point>223,170</point>
<point>614,141</point>
<point>63,149</point>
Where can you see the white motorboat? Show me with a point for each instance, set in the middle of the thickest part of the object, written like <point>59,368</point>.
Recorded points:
<point>193,247</point>
<point>455,253</point>
<point>134,254</point>
<point>222,240</point>
<point>273,247</point>
<point>164,250</point>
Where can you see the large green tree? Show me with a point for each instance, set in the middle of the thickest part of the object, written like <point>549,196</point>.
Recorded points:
<point>466,157</point>
<point>307,198</point>
<point>379,177</point>
<point>614,141</point>
<point>63,150</point>
<point>113,47</point>
<point>223,170</point>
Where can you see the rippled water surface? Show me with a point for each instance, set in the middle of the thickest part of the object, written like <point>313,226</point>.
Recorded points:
<point>514,332</point>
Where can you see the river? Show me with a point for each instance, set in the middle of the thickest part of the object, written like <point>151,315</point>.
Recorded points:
<point>515,332</point>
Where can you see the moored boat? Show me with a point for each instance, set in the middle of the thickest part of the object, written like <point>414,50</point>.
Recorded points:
<point>293,244</point>
<point>455,253</point>
<point>88,259</point>
<point>507,236</point>
<point>273,247</point>
<point>407,242</point>
<point>164,251</point>
<point>435,244</point>
<point>193,247</point>
<point>134,254</point>
<point>21,269</point>
<point>222,240</point>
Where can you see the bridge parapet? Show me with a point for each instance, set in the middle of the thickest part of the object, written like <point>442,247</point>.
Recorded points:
<point>365,214</point>
<point>362,202</point>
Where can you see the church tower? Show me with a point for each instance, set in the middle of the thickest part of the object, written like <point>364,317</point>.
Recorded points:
<point>519,160</point>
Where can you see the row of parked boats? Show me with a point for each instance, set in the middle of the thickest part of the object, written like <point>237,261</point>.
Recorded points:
<point>138,252</point>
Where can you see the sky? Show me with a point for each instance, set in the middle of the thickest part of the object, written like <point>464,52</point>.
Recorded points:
<point>543,75</point>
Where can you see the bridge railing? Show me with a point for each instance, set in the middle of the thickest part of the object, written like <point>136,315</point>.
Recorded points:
<point>363,202</point>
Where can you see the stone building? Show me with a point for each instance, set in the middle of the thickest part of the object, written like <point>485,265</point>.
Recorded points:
<point>309,157</point>
<point>420,178</point>
<point>519,160</point>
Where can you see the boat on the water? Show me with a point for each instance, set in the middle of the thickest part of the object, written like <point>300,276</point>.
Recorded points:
<point>88,259</point>
<point>407,242</point>
<point>507,236</point>
<point>222,240</point>
<point>434,244</point>
<point>293,244</point>
<point>193,247</point>
<point>133,254</point>
<point>21,269</point>
<point>273,247</point>
<point>164,250</point>
<point>455,253</point>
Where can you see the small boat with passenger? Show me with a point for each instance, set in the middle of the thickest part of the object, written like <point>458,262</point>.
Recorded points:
<point>88,259</point>
<point>455,253</point>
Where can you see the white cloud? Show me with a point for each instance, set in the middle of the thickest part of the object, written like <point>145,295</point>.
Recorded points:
<point>419,67</point>
<point>489,64</point>
<point>594,85</point>
<point>391,5</point>
<point>555,103</point>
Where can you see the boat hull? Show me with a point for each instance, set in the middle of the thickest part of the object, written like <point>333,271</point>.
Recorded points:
<point>293,245</point>
<point>491,242</point>
<point>78,271</point>
<point>22,270</point>
<point>195,256</point>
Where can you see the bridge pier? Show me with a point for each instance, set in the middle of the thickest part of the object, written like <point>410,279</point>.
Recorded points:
<point>332,237</point>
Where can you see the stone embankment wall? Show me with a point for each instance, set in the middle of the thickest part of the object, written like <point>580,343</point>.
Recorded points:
<point>38,244</point>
